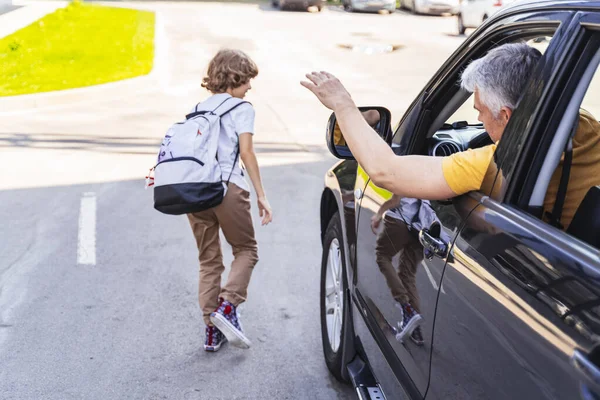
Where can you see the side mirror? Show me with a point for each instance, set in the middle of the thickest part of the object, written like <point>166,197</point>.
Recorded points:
<point>378,117</point>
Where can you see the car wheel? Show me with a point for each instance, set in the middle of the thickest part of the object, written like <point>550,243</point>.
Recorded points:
<point>334,307</point>
<point>461,25</point>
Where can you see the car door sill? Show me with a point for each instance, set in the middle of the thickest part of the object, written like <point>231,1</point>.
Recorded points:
<point>363,380</point>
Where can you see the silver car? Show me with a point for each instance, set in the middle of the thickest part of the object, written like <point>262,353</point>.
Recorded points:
<point>370,5</point>
<point>436,7</point>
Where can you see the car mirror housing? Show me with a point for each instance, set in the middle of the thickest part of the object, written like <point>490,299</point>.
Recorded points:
<point>379,118</point>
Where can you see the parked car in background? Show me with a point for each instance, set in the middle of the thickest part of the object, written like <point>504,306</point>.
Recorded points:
<point>510,304</point>
<point>434,7</point>
<point>297,4</point>
<point>472,13</point>
<point>370,5</point>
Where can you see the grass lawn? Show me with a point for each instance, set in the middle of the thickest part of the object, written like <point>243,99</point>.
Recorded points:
<point>76,46</point>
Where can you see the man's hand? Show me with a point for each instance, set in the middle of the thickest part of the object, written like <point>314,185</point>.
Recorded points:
<point>329,90</point>
<point>264,210</point>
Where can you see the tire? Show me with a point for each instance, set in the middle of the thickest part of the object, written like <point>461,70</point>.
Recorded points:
<point>415,8</point>
<point>334,282</point>
<point>461,25</point>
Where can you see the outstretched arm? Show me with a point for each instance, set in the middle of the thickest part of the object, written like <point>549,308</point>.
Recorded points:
<point>407,176</point>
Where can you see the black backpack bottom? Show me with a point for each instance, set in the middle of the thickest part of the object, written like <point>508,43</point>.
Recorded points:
<point>185,198</point>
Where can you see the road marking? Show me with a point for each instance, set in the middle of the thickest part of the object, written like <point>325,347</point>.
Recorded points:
<point>86,248</point>
<point>431,279</point>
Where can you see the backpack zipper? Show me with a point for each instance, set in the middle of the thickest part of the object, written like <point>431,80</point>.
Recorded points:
<point>180,159</point>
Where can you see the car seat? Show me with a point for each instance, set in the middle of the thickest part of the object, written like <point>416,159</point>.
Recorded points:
<point>586,222</point>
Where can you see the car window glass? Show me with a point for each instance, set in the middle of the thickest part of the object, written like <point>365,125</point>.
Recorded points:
<point>591,101</point>
<point>463,132</point>
<point>466,112</point>
<point>579,215</point>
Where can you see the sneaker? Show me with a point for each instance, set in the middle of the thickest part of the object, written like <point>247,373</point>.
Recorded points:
<point>225,318</point>
<point>417,336</point>
<point>410,321</point>
<point>214,339</point>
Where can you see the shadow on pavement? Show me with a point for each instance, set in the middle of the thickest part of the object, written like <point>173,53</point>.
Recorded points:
<point>58,141</point>
<point>121,144</point>
<point>7,8</point>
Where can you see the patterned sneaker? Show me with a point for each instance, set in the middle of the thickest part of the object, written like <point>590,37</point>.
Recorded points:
<point>214,339</point>
<point>410,321</point>
<point>417,336</point>
<point>227,320</point>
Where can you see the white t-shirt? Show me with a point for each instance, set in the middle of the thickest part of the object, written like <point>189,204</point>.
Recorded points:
<point>238,121</point>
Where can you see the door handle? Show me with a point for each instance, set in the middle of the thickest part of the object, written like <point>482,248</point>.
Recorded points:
<point>589,371</point>
<point>433,246</point>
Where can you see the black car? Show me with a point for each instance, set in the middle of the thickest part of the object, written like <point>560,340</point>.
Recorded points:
<point>297,4</point>
<point>510,304</point>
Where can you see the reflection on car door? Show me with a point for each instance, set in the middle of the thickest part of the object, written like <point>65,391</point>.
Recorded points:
<point>384,270</point>
<point>518,302</point>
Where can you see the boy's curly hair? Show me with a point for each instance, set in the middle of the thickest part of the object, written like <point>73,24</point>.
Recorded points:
<point>229,69</point>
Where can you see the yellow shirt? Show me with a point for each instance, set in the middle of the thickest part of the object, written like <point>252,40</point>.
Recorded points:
<point>475,170</point>
<point>469,170</point>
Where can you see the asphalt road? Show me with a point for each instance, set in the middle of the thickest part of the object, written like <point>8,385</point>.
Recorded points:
<point>128,326</point>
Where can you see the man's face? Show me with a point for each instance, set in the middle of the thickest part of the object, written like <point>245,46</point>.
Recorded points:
<point>492,124</point>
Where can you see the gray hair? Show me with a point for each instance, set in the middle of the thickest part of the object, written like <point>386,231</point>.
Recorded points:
<point>500,77</point>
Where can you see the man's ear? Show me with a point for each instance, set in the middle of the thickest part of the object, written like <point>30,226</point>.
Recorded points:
<point>505,114</point>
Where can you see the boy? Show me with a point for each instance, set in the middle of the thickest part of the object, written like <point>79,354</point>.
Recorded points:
<point>229,75</point>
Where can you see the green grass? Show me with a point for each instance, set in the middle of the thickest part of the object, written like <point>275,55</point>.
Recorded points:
<point>80,45</point>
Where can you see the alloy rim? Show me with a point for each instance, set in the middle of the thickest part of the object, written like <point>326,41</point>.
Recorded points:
<point>334,295</point>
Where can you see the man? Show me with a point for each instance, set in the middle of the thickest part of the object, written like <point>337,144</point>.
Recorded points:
<point>497,81</point>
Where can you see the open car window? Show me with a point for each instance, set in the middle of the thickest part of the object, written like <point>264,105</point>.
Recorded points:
<point>457,127</point>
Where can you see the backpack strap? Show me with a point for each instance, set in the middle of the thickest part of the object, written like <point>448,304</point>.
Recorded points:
<point>202,112</point>
<point>238,102</point>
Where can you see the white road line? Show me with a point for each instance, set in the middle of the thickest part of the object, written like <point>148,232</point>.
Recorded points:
<point>86,247</point>
<point>431,279</point>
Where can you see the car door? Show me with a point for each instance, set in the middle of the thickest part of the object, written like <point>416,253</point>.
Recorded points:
<point>376,283</point>
<point>520,314</point>
<point>383,274</point>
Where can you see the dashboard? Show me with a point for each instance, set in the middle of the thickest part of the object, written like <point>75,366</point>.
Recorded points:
<point>456,137</point>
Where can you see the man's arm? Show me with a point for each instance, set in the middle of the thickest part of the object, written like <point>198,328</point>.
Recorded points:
<point>407,176</point>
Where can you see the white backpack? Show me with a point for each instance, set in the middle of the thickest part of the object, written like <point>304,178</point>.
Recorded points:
<point>187,176</point>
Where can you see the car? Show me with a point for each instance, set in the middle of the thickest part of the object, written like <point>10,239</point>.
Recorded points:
<point>472,13</point>
<point>297,4</point>
<point>370,5</point>
<point>433,7</point>
<point>510,304</point>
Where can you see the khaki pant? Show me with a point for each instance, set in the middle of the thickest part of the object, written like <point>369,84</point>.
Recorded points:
<point>393,239</point>
<point>234,218</point>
